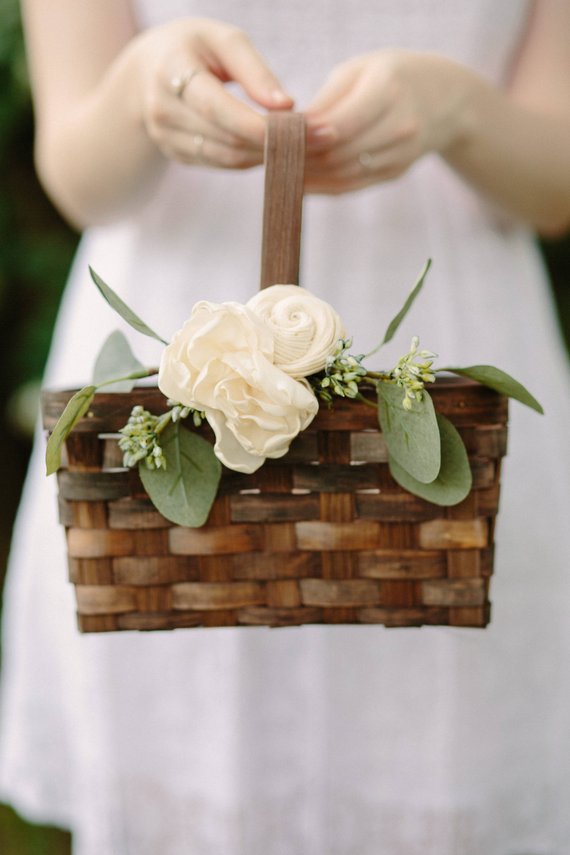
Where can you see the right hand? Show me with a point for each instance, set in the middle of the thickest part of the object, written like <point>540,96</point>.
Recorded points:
<point>204,123</point>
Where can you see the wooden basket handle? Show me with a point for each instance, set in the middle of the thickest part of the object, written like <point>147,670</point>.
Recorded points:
<point>283,202</point>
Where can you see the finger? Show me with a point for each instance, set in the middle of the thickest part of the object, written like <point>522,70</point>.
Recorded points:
<point>336,188</point>
<point>388,137</point>
<point>195,149</point>
<point>357,109</point>
<point>181,116</point>
<point>363,170</point>
<point>209,98</point>
<point>242,63</point>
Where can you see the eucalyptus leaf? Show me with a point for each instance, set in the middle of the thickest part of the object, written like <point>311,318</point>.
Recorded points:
<point>396,321</point>
<point>412,436</point>
<point>185,490</point>
<point>500,381</point>
<point>116,359</point>
<point>122,309</point>
<point>454,480</point>
<point>75,409</point>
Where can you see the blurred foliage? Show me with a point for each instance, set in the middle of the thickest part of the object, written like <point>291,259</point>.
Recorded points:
<point>36,247</point>
<point>557,257</point>
<point>35,252</point>
<point>20,838</point>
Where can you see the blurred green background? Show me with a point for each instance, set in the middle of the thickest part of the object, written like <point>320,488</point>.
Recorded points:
<point>36,248</point>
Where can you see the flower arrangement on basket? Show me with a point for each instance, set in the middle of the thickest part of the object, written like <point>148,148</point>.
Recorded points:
<point>257,374</point>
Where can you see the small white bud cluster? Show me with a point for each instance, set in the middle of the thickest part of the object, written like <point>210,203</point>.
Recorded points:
<point>342,374</point>
<point>411,375</point>
<point>139,440</point>
<point>180,411</point>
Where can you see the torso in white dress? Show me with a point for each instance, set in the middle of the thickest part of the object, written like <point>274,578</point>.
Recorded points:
<point>315,741</point>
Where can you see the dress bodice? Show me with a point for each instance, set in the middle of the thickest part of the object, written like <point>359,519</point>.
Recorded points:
<point>482,35</point>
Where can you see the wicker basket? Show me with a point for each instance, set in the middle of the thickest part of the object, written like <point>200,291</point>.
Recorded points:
<point>323,535</point>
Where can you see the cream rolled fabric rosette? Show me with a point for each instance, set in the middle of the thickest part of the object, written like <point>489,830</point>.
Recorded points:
<point>244,367</point>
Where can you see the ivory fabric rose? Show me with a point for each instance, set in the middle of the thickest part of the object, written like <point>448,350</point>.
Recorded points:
<point>305,328</point>
<point>221,362</point>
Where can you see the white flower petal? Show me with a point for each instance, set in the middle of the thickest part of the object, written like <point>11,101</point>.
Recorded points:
<point>227,448</point>
<point>306,329</point>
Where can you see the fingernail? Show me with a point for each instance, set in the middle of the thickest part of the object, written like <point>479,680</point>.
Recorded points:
<point>280,97</point>
<point>323,134</point>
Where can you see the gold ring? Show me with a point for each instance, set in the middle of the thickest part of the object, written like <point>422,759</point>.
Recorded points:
<point>179,83</point>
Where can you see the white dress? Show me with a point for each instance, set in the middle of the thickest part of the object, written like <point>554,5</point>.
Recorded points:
<point>315,740</point>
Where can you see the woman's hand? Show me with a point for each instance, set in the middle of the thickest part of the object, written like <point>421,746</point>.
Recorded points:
<point>187,111</point>
<point>378,113</point>
<point>113,106</point>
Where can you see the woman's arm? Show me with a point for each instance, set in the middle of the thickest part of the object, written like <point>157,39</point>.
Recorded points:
<point>389,108</point>
<point>108,116</point>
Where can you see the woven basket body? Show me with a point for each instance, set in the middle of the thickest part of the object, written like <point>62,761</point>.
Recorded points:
<point>323,535</point>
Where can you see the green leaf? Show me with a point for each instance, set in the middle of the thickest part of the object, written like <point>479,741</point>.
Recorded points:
<point>185,490</point>
<point>395,322</point>
<point>122,309</point>
<point>76,408</point>
<point>116,359</point>
<point>500,381</point>
<point>454,480</point>
<point>412,436</point>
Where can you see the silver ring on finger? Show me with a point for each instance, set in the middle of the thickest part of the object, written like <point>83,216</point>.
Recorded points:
<point>366,161</point>
<point>198,146</point>
<point>180,82</point>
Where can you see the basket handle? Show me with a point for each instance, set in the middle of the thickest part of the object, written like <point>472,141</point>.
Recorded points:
<point>283,202</point>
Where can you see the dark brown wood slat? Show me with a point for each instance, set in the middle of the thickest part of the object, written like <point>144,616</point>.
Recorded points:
<point>154,598</point>
<point>93,486</point>
<point>215,568</point>
<point>277,565</point>
<point>396,617</point>
<point>262,616</point>
<point>336,478</point>
<point>485,440</point>
<point>474,616</point>
<point>91,571</point>
<point>283,593</point>
<point>97,623</point>
<point>159,620</point>
<point>269,507</point>
<point>401,593</point>
<point>394,506</point>
<point>129,513</point>
<point>155,570</point>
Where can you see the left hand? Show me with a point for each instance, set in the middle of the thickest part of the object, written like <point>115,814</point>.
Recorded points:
<point>378,113</point>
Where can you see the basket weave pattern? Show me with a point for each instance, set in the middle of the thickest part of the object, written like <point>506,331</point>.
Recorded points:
<point>324,535</point>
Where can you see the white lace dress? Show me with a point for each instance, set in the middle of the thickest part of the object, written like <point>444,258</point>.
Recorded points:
<point>315,740</point>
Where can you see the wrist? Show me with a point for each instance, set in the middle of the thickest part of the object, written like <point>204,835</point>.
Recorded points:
<point>470,110</point>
